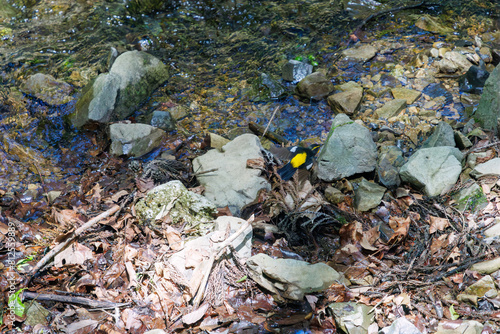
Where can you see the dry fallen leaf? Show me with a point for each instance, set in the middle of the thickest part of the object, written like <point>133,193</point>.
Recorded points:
<point>174,238</point>
<point>437,224</point>
<point>196,315</point>
<point>74,254</point>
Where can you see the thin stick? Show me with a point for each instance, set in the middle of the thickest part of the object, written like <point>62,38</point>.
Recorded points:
<point>75,235</point>
<point>72,300</point>
<point>213,256</point>
<point>270,120</point>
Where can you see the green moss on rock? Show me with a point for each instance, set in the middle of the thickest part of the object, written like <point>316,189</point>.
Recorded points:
<point>185,207</point>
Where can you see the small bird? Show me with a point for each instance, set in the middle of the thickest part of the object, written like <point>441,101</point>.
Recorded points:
<point>299,158</point>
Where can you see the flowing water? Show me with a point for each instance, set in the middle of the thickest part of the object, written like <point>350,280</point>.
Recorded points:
<point>216,52</point>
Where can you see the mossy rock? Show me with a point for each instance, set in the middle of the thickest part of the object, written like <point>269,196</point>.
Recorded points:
<point>182,205</point>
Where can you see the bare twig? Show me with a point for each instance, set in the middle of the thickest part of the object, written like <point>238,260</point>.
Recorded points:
<point>270,120</point>
<point>75,235</point>
<point>215,254</point>
<point>72,300</point>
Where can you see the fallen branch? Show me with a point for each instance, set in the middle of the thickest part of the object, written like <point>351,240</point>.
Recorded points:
<point>75,235</point>
<point>259,129</point>
<point>72,300</point>
<point>215,254</point>
<point>270,120</point>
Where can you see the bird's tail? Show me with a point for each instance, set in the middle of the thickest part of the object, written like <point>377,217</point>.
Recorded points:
<point>286,172</point>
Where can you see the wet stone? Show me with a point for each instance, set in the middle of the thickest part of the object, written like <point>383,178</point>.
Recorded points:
<point>409,95</point>
<point>295,70</point>
<point>442,135</point>
<point>163,120</point>
<point>430,23</point>
<point>48,89</point>
<point>315,86</point>
<point>391,108</point>
<point>360,53</point>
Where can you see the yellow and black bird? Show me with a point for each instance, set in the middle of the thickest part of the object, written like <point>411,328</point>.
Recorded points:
<point>299,158</point>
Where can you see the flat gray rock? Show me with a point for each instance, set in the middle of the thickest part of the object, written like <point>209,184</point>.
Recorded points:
<point>433,169</point>
<point>229,182</point>
<point>134,140</point>
<point>348,150</point>
<point>291,278</point>
<point>490,167</point>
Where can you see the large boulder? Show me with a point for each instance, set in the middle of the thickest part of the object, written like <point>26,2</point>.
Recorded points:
<point>488,110</point>
<point>434,169</point>
<point>348,150</point>
<point>115,95</point>
<point>225,176</point>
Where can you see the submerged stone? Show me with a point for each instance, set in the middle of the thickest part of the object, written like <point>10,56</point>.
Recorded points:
<point>46,88</point>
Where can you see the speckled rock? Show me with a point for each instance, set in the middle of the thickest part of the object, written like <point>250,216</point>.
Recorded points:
<point>182,205</point>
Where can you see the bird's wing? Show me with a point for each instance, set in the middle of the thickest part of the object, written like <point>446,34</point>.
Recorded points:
<point>281,153</point>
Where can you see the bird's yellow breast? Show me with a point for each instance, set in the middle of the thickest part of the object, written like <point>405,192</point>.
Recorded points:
<point>298,160</point>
